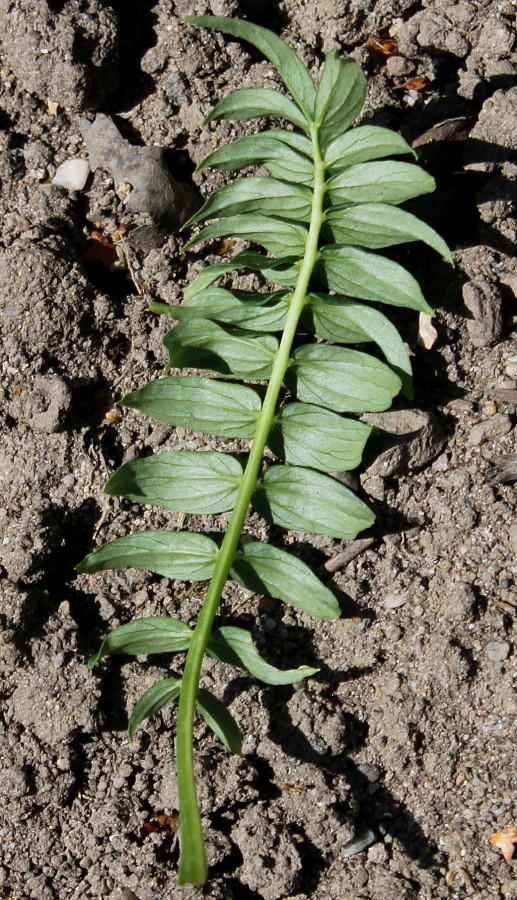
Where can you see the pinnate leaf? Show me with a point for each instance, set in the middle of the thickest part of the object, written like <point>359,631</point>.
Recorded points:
<point>220,720</point>
<point>340,97</point>
<point>368,276</point>
<point>289,65</point>
<point>159,695</point>
<point>341,379</point>
<point>173,554</point>
<point>248,103</point>
<point>377,225</point>
<point>182,480</point>
<point>199,404</point>
<point>260,194</point>
<point>277,150</point>
<point>277,236</point>
<point>307,435</point>
<point>279,271</point>
<point>346,321</point>
<point>363,144</point>
<point>386,182</point>
<point>235,646</point>
<point>268,570</point>
<point>202,344</point>
<point>156,634</point>
<point>255,312</point>
<point>304,500</point>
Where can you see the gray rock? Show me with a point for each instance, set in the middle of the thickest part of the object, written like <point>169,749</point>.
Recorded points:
<point>407,439</point>
<point>151,191</point>
<point>484,301</point>
<point>495,427</point>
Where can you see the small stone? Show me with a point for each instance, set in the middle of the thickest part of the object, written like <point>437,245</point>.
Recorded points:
<point>511,368</point>
<point>489,408</point>
<point>393,601</point>
<point>72,175</point>
<point>495,427</point>
<point>498,651</point>
<point>364,838</point>
<point>399,65</point>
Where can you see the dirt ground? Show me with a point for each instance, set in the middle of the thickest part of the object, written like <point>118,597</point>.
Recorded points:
<point>383,777</point>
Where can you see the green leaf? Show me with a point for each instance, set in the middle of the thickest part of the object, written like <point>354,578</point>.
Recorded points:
<point>182,480</point>
<point>341,379</point>
<point>249,103</point>
<point>256,312</point>
<point>385,182</point>
<point>276,150</point>
<point>363,144</point>
<point>289,65</point>
<point>156,634</point>
<point>307,435</point>
<point>279,271</point>
<point>173,554</point>
<point>367,276</point>
<point>304,500</point>
<point>157,697</point>
<point>340,97</point>
<point>268,570</point>
<point>199,404</point>
<point>345,321</point>
<point>260,194</point>
<point>234,645</point>
<point>220,720</point>
<point>202,344</point>
<point>378,225</point>
<point>277,236</point>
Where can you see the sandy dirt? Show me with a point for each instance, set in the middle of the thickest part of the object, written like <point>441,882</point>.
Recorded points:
<point>403,745</point>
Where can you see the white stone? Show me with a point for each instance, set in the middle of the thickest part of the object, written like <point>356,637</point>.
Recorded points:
<point>72,174</point>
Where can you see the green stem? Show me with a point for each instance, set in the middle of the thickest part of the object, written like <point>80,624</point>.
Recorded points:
<point>193,866</point>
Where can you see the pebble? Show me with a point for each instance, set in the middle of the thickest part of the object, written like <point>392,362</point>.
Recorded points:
<point>497,426</point>
<point>399,65</point>
<point>498,651</point>
<point>364,838</point>
<point>393,601</point>
<point>72,175</point>
<point>511,368</point>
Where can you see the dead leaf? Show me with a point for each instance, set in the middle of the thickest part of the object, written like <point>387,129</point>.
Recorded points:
<point>52,107</point>
<point>226,246</point>
<point>457,129</point>
<point>100,249</point>
<point>382,43</point>
<point>414,84</point>
<point>427,333</point>
<point>505,840</point>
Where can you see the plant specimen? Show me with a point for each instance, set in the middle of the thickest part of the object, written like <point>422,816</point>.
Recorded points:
<point>330,199</point>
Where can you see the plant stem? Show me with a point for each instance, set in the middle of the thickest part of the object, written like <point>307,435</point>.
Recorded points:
<point>193,866</point>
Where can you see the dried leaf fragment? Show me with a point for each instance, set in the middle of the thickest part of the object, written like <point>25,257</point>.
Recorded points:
<point>383,44</point>
<point>505,840</point>
<point>414,84</point>
<point>427,333</point>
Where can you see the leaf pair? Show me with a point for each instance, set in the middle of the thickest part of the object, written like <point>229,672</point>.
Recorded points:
<point>191,557</point>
